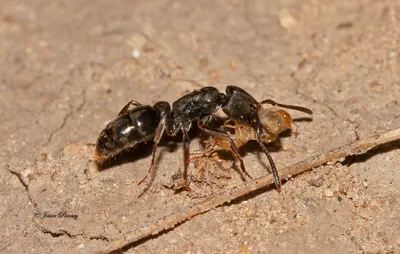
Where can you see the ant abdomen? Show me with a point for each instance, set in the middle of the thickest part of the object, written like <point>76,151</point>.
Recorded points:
<point>127,130</point>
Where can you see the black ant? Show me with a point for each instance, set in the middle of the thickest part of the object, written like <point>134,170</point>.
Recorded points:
<point>144,123</point>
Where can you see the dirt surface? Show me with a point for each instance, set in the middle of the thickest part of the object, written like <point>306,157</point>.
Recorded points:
<point>68,67</point>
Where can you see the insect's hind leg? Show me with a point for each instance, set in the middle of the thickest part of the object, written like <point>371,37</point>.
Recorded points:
<point>126,107</point>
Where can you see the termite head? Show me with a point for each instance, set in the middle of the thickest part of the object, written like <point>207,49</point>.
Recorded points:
<point>286,120</point>
<point>275,121</point>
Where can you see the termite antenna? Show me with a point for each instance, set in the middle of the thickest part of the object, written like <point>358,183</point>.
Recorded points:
<point>298,108</point>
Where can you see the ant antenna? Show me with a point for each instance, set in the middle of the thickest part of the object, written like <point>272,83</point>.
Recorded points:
<point>298,108</point>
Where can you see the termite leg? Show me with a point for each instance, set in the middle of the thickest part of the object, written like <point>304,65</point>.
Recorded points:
<point>220,133</point>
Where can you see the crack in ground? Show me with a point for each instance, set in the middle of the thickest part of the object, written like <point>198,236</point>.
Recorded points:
<point>100,237</point>
<point>63,232</point>
<point>14,239</point>
<point>21,180</point>
<point>67,116</point>
<point>83,101</point>
<point>55,234</point>
<point>59,128</point>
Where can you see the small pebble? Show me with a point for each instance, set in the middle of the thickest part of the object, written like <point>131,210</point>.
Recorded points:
<point>287,147</point>
<point>329,193</point>
<point>317,182</point>
<point>286,19</point>
<point>244,249</point>
<point>135,53</point>
<point>233,65</point>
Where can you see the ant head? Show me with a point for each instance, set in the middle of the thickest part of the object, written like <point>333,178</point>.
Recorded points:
<point>237,93</point>
<point>163,108</point>
<point>240,105</point>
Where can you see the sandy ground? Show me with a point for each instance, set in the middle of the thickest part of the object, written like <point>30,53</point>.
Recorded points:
<point>66,69</point>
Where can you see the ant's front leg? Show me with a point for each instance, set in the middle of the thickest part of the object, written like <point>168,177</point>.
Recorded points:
<point>126,107</point>
<point>259,130</point>
<point>186,154</point>
<point>221,133</point>
<point>159,132</point>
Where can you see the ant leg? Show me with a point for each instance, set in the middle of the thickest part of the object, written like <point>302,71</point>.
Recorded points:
<point>298,108</point>
<point>186,155</point>
<point>259,129</point>
<point>157,138</point>
<point>126,107</point>
<point>221,133</point>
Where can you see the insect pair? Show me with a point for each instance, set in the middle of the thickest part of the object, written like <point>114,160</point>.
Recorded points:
<point>143,123</point>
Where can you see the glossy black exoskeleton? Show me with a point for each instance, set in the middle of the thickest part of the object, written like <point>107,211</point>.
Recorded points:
<point>144,123</point>
<point>129,128</point>
<point>197,106</point>
<point>242,107</point>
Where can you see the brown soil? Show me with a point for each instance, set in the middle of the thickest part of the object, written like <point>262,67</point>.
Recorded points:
<point>66,69</point>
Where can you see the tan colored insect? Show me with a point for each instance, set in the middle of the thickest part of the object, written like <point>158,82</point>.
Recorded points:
<point>273,120</point>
